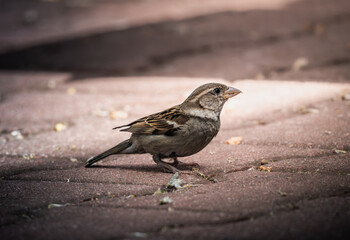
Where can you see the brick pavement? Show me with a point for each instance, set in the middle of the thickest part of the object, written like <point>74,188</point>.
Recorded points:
<point>289,178</point>
<point>116,199</point>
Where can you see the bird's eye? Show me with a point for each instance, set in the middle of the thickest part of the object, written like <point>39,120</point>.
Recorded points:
<point>217,90</point>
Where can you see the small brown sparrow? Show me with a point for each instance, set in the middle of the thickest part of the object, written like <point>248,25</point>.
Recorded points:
<point>179,131</point>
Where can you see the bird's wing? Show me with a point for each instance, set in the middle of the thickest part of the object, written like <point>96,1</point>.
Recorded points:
<point>166,122</point>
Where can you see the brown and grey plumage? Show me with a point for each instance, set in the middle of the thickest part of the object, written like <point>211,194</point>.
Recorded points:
<point>179,131</point>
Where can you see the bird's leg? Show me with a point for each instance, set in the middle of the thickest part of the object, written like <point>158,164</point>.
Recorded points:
<point>176,162</point>
<point>165,166</point>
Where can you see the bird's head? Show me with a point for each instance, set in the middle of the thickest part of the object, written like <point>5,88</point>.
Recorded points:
<point>211,96</point>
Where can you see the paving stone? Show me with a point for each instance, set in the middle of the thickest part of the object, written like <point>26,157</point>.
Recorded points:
<point>49,107</point>
<point>35,183</point>
<point>82,222</point>
<point>20,197</point>
<point>143,49</point>
<point>86,18</point>
<point>216,159</point>
<point>330,131</point>
<point>313,219</point>
<point>247,193</point>
<point>23,81</point>
<point>77,111</point>
<point>264,61</point>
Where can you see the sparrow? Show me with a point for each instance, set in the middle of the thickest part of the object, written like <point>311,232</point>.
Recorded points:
<point>179,131</point>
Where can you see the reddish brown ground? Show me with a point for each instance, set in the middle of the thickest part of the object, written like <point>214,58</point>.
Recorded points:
<point>79,62</point>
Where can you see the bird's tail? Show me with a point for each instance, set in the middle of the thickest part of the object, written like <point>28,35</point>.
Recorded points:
<point>114,150</point>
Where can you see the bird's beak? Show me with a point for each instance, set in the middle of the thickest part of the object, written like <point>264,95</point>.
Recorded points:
<point>231,92</point>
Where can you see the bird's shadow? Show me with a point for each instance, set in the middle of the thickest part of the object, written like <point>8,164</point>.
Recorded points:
<point>139,168</point>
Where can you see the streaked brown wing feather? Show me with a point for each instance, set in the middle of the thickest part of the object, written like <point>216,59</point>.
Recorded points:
<point>166,122</point>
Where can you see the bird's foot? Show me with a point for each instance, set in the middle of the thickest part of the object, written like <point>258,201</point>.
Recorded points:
<point>165,166</point>
<point>168,167</point>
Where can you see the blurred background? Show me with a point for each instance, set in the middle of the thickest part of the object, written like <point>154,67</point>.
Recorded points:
<point>231,39</point>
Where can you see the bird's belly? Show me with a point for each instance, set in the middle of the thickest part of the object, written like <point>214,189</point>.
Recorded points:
<point>186,142</point>
<point>193,145</point>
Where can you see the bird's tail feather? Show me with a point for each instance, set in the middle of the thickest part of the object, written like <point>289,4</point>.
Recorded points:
<point>114,150</point>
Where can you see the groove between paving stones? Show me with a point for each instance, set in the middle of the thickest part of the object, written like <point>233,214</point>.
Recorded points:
<point>228,220</point>
<point>290,115</point>
<point>301,171</point>
<point>279,159</point>
<point>274,117</point>
<point>329,63</point>
<point>282,207</point>
<point>243,218</point>
<point>79,182</point>
<point>33,212</point>
<point>247,217</point>
<point>295,145</point>
<point>257,163</point>
<point>345,192</point>
<point>341,192</point>
<point>156,61</point>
